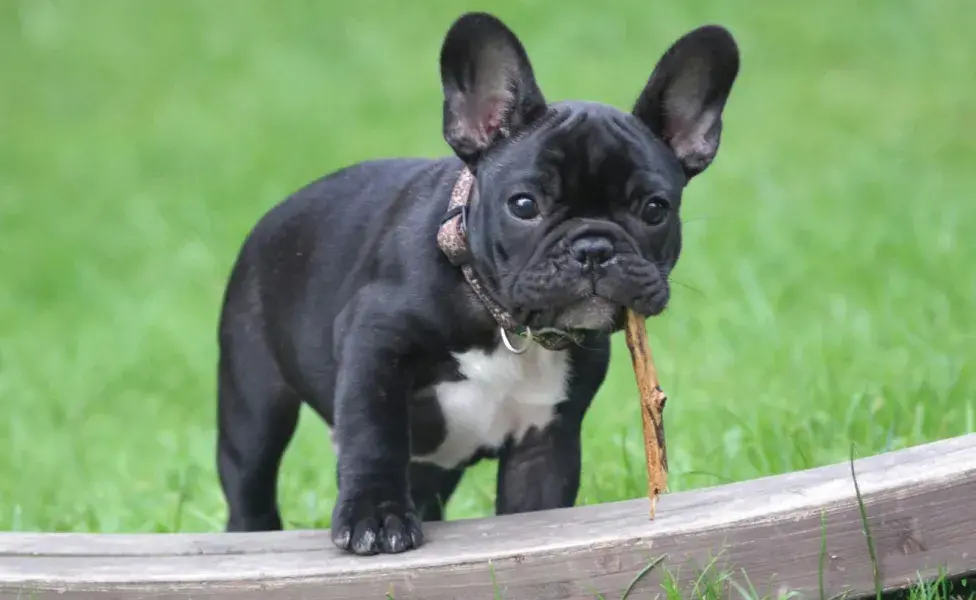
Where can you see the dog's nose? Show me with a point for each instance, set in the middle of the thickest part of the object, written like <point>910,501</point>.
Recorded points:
<point>592,251</point>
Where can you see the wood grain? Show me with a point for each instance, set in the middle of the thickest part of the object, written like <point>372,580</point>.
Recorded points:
<point>652,399</point>
<point>919,503</point>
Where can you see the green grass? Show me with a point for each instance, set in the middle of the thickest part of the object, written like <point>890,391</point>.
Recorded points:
<point>827,287</point>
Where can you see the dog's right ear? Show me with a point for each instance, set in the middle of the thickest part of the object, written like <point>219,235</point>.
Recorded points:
<point>490,91</point>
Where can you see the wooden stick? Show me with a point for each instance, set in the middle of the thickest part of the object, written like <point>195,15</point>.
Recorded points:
<point>652,400</point>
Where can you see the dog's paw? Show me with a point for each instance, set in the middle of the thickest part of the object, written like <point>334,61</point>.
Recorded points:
<point>368,524</point>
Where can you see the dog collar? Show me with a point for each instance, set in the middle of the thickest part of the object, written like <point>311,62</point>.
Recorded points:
<point>453,242</point>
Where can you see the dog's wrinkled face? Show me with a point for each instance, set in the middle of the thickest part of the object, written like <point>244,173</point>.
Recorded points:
<point>575,213</point>
<point>579,218</point>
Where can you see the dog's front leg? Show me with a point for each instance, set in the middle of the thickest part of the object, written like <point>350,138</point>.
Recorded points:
<point>373,512</point>
<point>542,470</point>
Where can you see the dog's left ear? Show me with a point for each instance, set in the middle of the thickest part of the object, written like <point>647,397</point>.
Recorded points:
<point>684,97</point>
<point>490,91</point>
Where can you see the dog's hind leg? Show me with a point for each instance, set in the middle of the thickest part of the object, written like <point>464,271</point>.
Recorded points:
<point>257,416</point>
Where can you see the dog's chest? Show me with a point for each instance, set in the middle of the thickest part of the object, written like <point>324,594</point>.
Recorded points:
<point>501,394</point>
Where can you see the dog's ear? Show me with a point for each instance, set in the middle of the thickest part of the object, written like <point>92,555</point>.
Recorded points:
<point>490,91</point>
<point>684,97</point>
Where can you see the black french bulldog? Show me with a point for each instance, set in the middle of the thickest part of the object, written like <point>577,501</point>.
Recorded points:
<point>435,312</point>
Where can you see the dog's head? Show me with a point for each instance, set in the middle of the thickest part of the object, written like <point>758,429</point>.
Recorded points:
<point>575,211</point>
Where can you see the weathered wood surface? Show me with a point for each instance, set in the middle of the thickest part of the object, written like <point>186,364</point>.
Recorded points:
<point>921,506</point>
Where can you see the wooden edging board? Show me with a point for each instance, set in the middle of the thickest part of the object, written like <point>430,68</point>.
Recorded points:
<point>920,504</point>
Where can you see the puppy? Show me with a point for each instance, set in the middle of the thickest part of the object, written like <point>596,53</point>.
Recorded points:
<point>436,312</point>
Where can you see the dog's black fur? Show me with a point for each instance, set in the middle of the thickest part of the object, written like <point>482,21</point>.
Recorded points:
<point>341,298</point>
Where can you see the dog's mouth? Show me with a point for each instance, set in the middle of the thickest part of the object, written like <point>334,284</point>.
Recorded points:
<point>567,301</point>
<point>592,313</point>
<point>585,281</point>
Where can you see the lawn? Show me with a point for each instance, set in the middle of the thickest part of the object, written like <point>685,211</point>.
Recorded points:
<point>825,295</point>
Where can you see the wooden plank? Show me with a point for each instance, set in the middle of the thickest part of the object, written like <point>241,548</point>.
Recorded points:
<point>919,502</point>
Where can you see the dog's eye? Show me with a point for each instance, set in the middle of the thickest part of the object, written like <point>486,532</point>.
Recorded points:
<point>655,211</point>
<point>523,207</point>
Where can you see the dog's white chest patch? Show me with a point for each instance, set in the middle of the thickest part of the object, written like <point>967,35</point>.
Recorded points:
<point>503,394</point>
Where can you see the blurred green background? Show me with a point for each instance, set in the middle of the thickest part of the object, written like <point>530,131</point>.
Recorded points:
<point>825,295</point>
